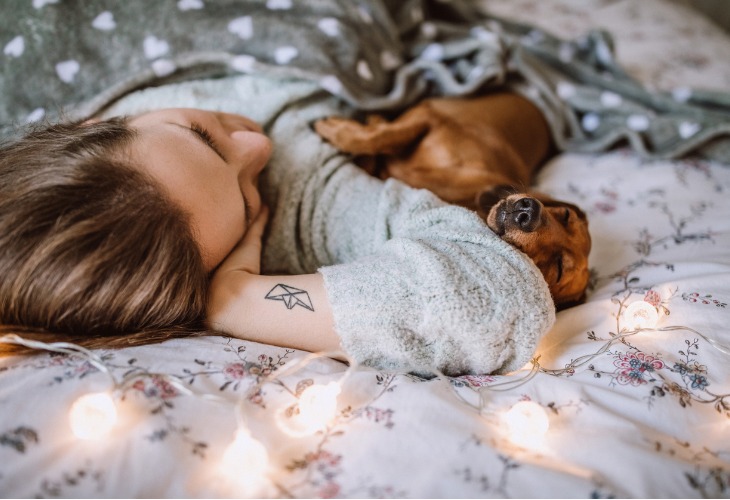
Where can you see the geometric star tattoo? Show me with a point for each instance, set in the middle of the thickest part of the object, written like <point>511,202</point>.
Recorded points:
<point>290,296</point>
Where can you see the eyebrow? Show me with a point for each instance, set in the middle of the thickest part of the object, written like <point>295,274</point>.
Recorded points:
<point>203,139</point>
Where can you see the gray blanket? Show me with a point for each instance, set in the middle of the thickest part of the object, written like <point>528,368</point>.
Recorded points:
<point>74,57</point>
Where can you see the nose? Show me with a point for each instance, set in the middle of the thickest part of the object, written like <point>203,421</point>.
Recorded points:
<point>238,122</point>
<point>525,214</point>
<point>252,150</point>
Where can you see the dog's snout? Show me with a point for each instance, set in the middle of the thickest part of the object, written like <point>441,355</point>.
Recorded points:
<point>523,218</point>
<point>526,214</point>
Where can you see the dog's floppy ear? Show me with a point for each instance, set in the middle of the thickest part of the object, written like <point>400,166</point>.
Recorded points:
<point>572,303</point>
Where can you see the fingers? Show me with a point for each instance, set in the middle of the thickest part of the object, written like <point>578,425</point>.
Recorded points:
<point>246,255</point>
<point>258,225</point>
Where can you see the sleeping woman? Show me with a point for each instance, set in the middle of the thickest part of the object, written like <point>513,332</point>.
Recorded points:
<point>146,222</point>
<point>135,229</point>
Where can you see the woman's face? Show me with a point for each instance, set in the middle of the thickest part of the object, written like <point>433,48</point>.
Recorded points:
<point>209,163</point>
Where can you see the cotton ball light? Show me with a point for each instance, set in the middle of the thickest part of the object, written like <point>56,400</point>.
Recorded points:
<point>318,404</point>
<point>640,314</point>
<point>93,415</point>
<point>527,423</point>
<point>245,464</point>
<point>316,408</point>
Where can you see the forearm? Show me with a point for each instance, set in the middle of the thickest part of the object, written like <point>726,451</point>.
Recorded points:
<point>288,311</point>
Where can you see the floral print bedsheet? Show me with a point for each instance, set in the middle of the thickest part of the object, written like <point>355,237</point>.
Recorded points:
<point>631,413</point>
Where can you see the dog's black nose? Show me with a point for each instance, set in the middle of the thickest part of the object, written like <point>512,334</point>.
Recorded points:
<point>526,214</point>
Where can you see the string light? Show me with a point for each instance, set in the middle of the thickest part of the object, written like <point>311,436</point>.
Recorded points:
<point>527,424</point>
<point>639,315</point>
<point>93,416</point>
<point>317,404</point>
<point>316,408</point>
<point>245,464</point>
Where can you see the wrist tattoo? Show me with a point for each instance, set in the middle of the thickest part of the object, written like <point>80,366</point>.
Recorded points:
<point>290,296</point>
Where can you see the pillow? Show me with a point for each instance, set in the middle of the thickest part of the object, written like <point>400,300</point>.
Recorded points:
<point>664,44</point>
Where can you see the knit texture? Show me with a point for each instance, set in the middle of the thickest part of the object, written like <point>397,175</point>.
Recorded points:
<point>414,283</point>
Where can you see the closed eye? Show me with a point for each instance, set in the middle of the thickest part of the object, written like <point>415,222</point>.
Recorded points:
<point>566,216</point>
<point>560,268</point>
<point>205,136</point>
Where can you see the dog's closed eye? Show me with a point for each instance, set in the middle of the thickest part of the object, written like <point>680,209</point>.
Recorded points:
<point>559,264</point>
<point>566,217</point>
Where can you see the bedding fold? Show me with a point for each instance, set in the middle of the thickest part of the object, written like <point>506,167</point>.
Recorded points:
<point>78,57</point>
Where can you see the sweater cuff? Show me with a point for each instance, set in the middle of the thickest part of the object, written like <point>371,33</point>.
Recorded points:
<point>410,311</point>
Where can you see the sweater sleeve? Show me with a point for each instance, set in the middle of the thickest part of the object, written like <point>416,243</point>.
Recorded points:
<point>435,288</point>
<point>414,283</point>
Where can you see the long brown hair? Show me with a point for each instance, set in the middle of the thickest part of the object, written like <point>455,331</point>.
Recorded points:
<point>91,249</point>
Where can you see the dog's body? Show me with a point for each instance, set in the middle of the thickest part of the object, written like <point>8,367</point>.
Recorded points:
<point>475,152</point>
<point>453,147</point>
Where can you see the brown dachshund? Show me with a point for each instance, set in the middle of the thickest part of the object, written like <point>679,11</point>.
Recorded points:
<point>478,152</point>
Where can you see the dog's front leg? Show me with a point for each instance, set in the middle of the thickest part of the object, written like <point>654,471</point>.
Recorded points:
<point>376,137</point>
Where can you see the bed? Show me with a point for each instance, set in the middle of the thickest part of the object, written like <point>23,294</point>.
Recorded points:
<point>628,395</point>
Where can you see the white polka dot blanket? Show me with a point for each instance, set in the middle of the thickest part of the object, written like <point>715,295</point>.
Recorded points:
<point>77,57</point>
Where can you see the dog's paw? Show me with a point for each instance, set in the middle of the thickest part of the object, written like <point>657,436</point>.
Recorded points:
<point>326,127</point>
<point>350,136</point>
<point>336,130</point>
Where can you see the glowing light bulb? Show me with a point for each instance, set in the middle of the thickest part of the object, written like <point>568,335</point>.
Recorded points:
<point>245,455</point>
<point>527,423</point>
<point>316,408</point>
<point>318,403</point>
<point>93,415</point>
<point>244,464</point>
<point>640,314</point>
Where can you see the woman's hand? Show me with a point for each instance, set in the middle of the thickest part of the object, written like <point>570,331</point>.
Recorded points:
<point>288,311</point>
<point>246,256</point>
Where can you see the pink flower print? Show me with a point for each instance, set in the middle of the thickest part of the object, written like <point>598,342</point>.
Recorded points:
<point>653,298</point>
<point>633,367</point>
<point>158,388</point>
<point>477,380</point>
<point>324,458</point>
<point>604,207</point>
<point>56,360</point>
<point>706,299</point>
<point>257,399</point>
<point>165,390</point>
<point>235,371</point>
<point>329,490</point>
